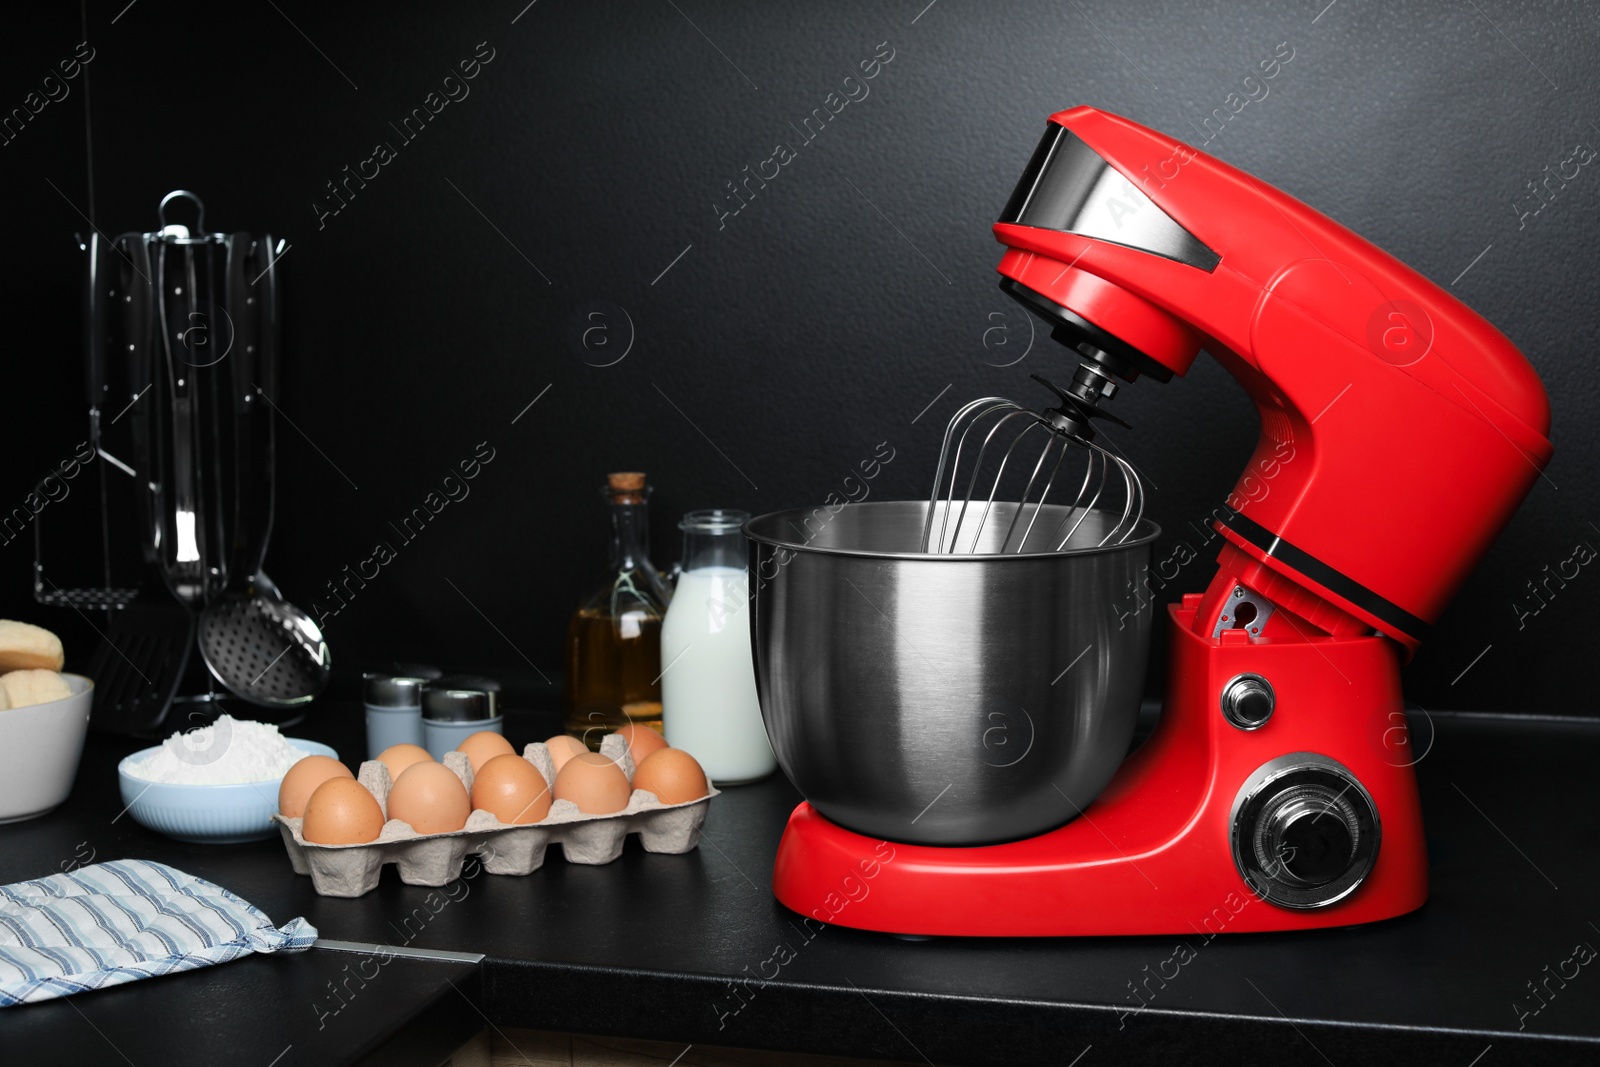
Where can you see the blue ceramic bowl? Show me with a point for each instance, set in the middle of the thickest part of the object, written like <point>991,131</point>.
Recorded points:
<point>207,814</point>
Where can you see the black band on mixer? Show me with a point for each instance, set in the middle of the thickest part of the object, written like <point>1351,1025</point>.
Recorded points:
<point>1390,613</point>
<point>1071,329</point>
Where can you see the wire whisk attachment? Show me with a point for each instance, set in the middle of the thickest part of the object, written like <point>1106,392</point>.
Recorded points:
<point>971,512</point>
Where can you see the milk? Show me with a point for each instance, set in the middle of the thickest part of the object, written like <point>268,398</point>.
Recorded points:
<point>708,684</point>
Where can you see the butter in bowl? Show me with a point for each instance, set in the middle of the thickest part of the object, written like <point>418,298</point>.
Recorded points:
<point>44,716</point>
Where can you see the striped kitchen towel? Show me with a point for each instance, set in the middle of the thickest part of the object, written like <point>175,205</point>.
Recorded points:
<point>121,921</point>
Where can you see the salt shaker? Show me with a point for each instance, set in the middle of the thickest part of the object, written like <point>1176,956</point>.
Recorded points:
<point>394,710</point>
<point>708,681</point>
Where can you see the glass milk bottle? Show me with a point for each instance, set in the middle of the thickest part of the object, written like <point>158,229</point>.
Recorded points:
<point>708,684</point>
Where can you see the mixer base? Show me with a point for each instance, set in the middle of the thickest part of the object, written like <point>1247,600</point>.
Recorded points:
<point>1153,854</point>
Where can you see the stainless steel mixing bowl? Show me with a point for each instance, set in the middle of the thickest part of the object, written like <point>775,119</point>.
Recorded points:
<point>946,699</point>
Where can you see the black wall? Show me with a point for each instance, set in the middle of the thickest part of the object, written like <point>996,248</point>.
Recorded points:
<point>793,338</point>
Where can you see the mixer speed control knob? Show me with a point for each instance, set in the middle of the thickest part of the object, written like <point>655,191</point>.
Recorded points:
<point>1305,832</point>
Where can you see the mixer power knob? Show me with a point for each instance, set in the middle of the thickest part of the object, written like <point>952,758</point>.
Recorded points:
<point>1247,701</point>
<point>1305,832</point>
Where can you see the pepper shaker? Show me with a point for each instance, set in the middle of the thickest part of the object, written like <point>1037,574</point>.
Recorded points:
<point>454,708</point>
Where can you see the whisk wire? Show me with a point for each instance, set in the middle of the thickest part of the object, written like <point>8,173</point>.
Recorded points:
<point>1061,454</point>
<point>956,489</point>
<point>1099,487</point>
<point>1134,496</point>
<point>997,403</point>
<point>977,468</point>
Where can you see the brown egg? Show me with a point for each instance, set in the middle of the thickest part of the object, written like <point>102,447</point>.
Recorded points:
<point>430,798</point>
<point>398,757</point>
<point>302,780</point>
<point>594,783</point>
<point>484,746</point>
<point>642,740</point>
<point>673,775</point>
<point>340,811</point>
<point>562,748</point>
<point>512,790</point>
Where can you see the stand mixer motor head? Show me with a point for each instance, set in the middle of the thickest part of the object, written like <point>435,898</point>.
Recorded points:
<point>1421,427</point>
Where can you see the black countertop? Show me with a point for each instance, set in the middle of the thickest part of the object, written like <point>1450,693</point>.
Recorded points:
<point>262,1010</point>
<point>650,946</point>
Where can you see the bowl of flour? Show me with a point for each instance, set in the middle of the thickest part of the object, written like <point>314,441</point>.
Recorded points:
<point>217,784</point>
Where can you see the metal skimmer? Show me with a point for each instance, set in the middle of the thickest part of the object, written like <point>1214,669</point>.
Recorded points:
<point>994,427</point>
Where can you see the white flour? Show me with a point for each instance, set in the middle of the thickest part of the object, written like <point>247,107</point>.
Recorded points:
<point>228,752</point>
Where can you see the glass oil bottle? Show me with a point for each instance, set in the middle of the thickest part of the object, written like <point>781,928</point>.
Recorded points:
<point>614,639</point>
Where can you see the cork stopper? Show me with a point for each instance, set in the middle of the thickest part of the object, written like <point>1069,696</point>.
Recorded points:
<point>627,487</point>
<point>626,480</point>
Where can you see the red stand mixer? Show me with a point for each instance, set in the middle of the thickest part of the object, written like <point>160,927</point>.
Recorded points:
<point>1399,431</point>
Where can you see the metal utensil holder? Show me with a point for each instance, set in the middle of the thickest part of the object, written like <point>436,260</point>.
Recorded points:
<point>165,414</point>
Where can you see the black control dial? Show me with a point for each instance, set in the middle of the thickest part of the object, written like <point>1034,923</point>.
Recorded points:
<point>1305,832</point>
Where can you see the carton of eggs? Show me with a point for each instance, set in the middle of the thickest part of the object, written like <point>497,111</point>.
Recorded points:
<point>485,799</point>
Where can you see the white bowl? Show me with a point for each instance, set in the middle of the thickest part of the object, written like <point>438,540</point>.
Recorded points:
<point>207,814</point>
<point>39,750</point>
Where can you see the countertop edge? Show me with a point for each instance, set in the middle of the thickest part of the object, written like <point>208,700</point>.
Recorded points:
<point>950,1027</point>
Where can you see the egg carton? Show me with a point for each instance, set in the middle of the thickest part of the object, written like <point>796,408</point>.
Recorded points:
<point>437,859</point>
